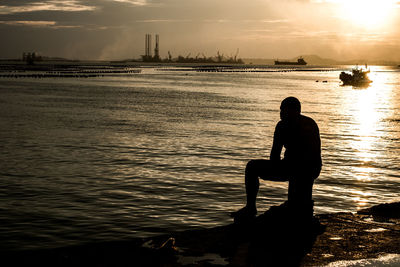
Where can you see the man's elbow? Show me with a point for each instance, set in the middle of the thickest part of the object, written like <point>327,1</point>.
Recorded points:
<point>275,156</point>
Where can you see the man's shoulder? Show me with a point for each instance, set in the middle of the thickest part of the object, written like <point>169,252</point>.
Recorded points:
<point>306,119</point>
<point>309,124</point>
<point>280,125</point>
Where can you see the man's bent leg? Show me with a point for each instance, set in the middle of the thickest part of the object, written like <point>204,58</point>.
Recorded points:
<point>252,183</point>
<point>264,169</point>
<point>252,172</point>
<point>255,169</point>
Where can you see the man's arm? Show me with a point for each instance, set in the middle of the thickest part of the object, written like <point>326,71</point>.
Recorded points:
<point>276,145</point>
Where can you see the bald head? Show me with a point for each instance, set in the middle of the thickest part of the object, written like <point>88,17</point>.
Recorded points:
<point>290,108</point>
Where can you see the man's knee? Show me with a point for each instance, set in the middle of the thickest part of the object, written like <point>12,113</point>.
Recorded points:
<point>253,166</point>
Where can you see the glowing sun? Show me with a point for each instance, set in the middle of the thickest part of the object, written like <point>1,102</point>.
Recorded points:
<point>367,13</point>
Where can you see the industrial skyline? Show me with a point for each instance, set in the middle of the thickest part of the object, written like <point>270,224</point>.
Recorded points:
<point>148,56</point>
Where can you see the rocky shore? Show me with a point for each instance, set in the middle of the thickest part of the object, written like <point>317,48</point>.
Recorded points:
<point>272,239</point>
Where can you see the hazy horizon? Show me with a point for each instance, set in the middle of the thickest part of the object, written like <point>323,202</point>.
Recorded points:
<point>310,59</point>
<point>267,29</point>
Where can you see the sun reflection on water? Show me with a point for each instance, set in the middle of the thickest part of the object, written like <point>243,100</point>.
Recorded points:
<point>360,197</point>
<point>366,120</point>
<point>366,110</point>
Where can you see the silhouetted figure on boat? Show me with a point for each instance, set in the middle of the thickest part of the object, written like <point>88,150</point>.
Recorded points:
<point>300,165</point>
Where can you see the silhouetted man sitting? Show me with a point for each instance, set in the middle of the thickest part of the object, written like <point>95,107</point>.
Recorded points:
<point>300,166</point>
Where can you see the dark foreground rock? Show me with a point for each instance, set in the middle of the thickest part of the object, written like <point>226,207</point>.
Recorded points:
<point>273,239</point>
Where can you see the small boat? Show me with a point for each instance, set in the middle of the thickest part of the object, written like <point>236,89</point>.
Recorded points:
<point>300,61</point>
<point>358,77</point>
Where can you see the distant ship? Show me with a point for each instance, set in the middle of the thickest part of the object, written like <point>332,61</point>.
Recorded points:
<point>300,61</point>
<point>358,77</point>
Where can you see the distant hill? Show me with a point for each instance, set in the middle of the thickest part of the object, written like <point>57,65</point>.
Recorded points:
<point>310,59</point>
<point>316,60</point>
<point>258,61</point>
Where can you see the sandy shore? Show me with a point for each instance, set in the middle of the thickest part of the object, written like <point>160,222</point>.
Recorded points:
<point>270,240</point>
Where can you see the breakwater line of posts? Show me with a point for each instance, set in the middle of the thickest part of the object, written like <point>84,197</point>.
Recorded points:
<point>65,71</point>
<point>259,69</point>
<point>245,68</point>
<point>102,70</point>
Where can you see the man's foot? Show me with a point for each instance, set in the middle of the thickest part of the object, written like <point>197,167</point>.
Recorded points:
<point>244,214</point>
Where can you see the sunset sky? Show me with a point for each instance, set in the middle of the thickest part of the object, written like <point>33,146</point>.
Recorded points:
<point>115,29</point>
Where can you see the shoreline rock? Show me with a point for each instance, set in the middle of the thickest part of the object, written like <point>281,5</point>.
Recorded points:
<point>272,239</point>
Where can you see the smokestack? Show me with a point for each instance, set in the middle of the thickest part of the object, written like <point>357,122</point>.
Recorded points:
<point>145,45</point>
<point>148,45</point>
<point>157,48</point>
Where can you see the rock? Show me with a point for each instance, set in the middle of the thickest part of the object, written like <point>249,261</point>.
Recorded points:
<point>387,210</point>
<point>275,238</point>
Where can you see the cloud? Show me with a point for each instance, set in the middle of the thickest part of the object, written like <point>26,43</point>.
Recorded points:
<point>162,20</point>
<point>29,23</point>
<point>217,20</point>
<point>133,2</point>
<point>39,24</point>
<point>50,5</point>
<point>275,21</point>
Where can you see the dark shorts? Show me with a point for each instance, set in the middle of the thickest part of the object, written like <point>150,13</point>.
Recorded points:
<point>301,178</point>
<point>281,170</point>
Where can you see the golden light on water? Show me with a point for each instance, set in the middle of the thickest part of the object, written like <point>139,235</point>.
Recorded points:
<point>366,115</point>
<point>367,112</point>
<point>364,107</point>
<point>360,197</point>
<point>367,106</point>
<point>366,119</point>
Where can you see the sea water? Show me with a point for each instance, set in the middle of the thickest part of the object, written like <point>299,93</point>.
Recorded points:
<point>388,260</point>
<point>113,158</point>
